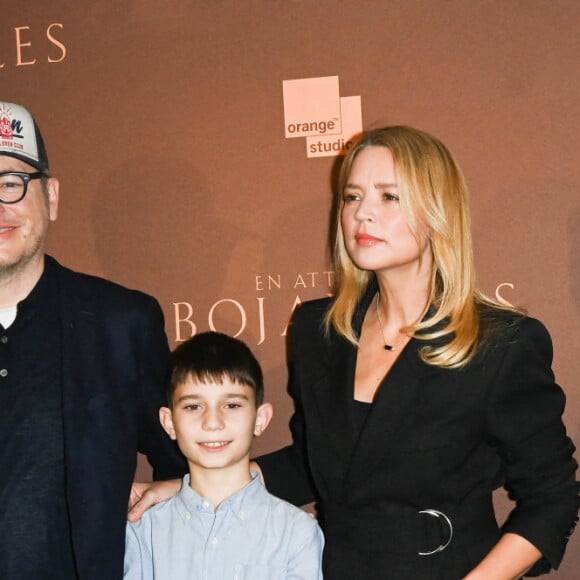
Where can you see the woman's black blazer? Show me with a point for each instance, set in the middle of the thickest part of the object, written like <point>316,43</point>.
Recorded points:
<point>434,439</point>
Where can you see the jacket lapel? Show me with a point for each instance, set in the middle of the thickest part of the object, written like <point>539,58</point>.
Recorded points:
<point>395,396</point>
<point>332,397</point>
<point>391,409</point>
<point>82,373</point>
<point>81,368</point>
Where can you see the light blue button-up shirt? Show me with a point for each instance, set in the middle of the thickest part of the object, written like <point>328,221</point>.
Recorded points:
<point>251,536</point>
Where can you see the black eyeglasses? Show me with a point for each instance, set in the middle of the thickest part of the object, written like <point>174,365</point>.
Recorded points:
<point>14,185</point>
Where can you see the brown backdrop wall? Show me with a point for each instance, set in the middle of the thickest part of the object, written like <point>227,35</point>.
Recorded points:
<point>164,121</point>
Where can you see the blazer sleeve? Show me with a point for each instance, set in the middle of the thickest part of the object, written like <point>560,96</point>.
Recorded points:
<point>162,453</point>
<point>525,419</point>
<point>286,471</point>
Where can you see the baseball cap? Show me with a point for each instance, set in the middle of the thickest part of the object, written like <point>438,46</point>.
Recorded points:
<point>20,136</point>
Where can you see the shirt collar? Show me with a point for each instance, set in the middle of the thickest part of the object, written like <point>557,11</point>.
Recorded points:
<point>42,294</point>
<point>241,504</point>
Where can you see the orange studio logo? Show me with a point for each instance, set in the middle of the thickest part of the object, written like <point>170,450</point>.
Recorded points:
<point>314,109</point>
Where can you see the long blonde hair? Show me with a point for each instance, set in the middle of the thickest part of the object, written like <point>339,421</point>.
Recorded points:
<point>434,195</point>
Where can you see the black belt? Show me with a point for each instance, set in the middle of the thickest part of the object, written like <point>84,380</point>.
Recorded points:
<point>402,529</point>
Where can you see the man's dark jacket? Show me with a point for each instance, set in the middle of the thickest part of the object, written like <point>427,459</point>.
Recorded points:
<point>115,363</point>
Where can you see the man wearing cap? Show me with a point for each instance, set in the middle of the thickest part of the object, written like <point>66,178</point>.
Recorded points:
<point>83,363</point>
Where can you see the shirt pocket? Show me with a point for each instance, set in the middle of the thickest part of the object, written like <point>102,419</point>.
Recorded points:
<point>258,572</point>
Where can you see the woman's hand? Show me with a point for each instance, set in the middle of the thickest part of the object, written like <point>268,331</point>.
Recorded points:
<point>509,559</point>
<point>145,495</point>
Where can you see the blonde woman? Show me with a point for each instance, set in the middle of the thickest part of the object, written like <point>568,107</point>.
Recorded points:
<point>416,395</point>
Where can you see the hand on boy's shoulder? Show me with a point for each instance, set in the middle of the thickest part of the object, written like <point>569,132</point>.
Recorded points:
<point>145,495</point>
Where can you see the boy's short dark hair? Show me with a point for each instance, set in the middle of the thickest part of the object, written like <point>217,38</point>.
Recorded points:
<point>213,356</point>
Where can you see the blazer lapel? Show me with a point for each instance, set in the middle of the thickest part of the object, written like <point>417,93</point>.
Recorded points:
<point>333,395</point>
<point>82,375</point>
<point>81,368</point>
<point>389,412</point>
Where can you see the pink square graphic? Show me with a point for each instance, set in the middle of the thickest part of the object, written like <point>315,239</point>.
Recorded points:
<point>312,107</point>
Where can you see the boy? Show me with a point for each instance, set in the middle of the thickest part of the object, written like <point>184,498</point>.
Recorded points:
<point>223,524</point>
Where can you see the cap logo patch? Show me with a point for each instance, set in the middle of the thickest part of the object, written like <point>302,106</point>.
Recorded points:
<point>10,129</point>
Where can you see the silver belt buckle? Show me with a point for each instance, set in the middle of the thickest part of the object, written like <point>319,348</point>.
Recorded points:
<point>441,547</point>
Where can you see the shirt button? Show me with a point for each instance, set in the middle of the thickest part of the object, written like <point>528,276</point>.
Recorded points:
<point>214,542</point>
<point>205,504</point>
<point>187,516</point>
<point>242,516</point>
<point>3,373</point>
<point>4,339</point>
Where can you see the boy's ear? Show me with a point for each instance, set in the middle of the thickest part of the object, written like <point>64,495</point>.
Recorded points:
<point>263,418</point>
<point>166,419</point>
